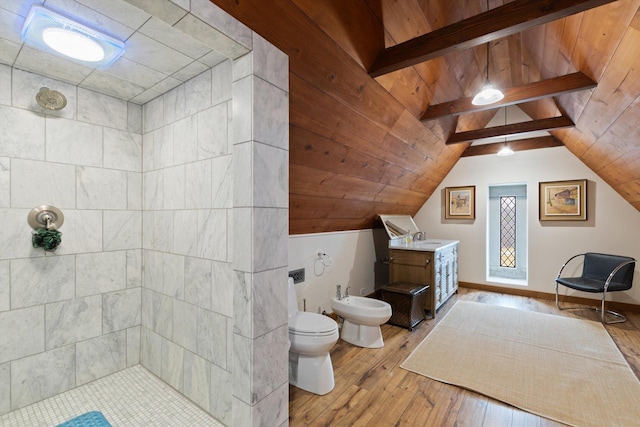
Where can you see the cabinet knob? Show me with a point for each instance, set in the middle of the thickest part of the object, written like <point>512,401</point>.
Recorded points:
<point>391,258</point>
<point>427,262</point>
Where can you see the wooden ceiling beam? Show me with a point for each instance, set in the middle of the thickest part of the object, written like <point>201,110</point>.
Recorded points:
<point>511,18</point>
<point>552,123</point>
<point>517,145</point>
<point>514,95</point>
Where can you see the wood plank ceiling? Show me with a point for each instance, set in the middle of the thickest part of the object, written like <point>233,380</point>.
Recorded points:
<point>358,146</point>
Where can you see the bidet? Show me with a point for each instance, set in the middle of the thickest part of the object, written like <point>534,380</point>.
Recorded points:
<point>362,319</point>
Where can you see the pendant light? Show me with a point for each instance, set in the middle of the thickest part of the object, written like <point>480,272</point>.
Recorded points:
<point>488,94</point>
<point>505,150</point>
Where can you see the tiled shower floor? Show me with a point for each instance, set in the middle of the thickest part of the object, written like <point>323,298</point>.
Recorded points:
<point>132,397</point>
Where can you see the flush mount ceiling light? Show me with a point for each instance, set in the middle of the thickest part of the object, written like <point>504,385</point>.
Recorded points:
<point>48,30</point>
<point>488,94</point>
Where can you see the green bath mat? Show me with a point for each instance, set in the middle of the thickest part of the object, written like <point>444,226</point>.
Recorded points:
<point>90,419</point>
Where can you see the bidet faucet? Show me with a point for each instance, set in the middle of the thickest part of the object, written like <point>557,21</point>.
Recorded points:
<point>338,292</point>
<point>346,292</point>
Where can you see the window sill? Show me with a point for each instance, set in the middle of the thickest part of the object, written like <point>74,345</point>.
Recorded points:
<point>505,281</point>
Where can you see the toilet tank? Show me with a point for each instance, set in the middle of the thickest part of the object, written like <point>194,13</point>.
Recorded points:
<point>293,299</point>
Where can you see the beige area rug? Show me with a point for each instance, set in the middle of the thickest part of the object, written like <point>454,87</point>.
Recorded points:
<point>568,370</point>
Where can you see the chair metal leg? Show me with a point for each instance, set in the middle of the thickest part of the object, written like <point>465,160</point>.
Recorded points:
<point>558,301</point>
<point>619,316</point>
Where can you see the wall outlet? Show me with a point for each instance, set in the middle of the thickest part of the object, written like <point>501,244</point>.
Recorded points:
<point>298,275</point>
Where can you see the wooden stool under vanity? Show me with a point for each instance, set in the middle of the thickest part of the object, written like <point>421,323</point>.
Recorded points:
<point>407,302</point>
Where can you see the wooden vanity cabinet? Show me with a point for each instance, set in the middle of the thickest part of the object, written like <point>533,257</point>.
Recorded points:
<point>438,269</point>
<point>413,267</point>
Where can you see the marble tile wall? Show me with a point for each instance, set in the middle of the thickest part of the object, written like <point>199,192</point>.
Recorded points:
<point>71,316</point>
<point>174,245</point>
<point>187,289</point>
<point>215,185</point>
<point>260,199</point>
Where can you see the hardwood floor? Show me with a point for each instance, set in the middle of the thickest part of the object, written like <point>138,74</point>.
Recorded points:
<point>372,390</point>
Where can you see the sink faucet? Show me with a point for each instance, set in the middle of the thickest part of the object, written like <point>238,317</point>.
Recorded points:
<point>346,292</point>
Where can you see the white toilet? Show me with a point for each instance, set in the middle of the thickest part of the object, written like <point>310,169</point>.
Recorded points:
<point>311,336</point>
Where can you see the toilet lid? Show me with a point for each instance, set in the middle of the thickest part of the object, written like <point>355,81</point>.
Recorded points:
<point>311,324</point>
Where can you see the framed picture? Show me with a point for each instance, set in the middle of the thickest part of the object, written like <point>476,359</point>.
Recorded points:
<point>460,202</point>
<point>563,200</point>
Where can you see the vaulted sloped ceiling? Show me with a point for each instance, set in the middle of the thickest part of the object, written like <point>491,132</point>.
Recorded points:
<point>357,145</point>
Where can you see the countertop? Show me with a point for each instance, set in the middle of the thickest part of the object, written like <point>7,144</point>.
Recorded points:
<point>429,245</point>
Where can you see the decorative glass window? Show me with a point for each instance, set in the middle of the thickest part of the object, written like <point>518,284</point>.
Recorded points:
<point>507,234</point>
<point>508,231</point>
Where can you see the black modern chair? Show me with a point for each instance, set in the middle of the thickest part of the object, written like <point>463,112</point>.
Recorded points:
<point>601,273</point>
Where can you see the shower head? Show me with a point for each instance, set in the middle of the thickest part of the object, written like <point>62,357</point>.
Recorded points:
<point>50,99</point>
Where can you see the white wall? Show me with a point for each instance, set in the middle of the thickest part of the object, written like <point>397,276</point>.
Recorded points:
<point>353,258</point>
<point>610,228</point>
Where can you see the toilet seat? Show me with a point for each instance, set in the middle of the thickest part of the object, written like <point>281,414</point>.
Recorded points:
<point>312,324</point>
